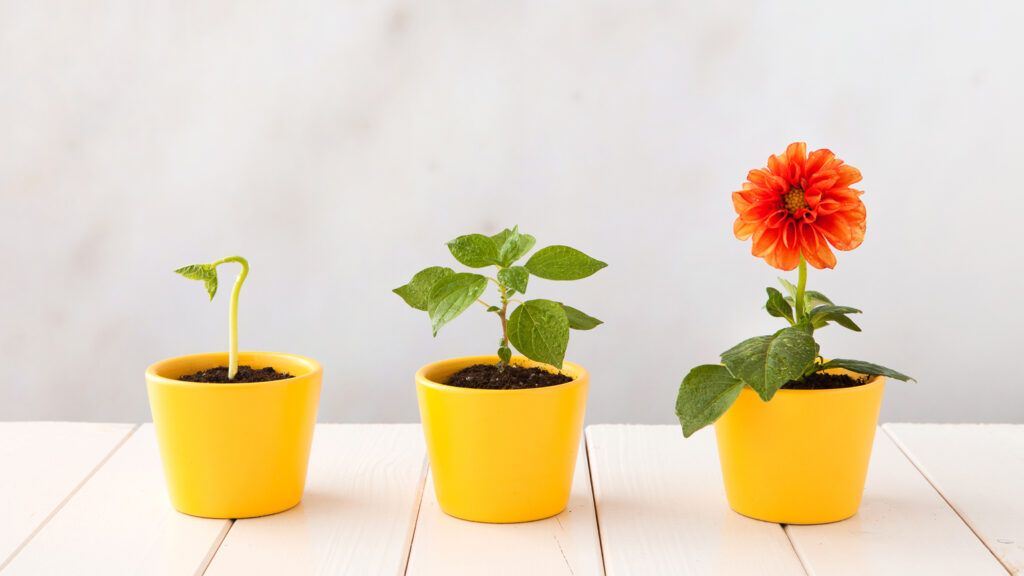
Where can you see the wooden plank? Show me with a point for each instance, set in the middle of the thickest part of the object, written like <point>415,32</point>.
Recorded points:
<point>979,470</point>
<point>565,544</point>
<point>121,522</point>
<point>661,508</point>
<point>43,464</point>
<point>903,527</point>
<point>357,516</point>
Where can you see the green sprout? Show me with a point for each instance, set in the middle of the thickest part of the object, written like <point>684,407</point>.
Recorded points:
<point>538,328</point>
<point>208,274</point>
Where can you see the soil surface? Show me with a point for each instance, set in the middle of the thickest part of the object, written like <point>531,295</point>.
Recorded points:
<point>491,377</point>
<point>823,381</point>
<point>245,374</point>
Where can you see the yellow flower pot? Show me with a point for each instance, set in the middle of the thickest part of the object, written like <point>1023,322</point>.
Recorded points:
<point>234,450</point>
<point>802,457</point>
<point>501,455</point>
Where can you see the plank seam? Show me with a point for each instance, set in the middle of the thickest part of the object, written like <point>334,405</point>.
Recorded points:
<point>60,506</point>
<point>416,517</point>
<point>963,518</point>
<point>593,498</point>
<point>215,548</point>
<point>804,563</point>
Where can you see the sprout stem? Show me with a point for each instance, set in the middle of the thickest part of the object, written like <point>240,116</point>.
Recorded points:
<point>233,313</point>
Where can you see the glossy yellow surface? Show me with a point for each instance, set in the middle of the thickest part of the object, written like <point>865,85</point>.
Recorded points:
<point>802,457</point>
<point>501,455</point>
<point>234,450</point>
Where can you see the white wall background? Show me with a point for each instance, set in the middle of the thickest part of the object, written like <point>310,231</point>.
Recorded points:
<point>338,145</point>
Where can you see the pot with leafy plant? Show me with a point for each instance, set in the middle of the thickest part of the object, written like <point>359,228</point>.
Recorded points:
<point>234,428</point>
<point>794,430</point>
<point>503,431</point>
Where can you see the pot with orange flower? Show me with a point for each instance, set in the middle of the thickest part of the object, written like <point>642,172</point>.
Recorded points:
<point>794,430</point>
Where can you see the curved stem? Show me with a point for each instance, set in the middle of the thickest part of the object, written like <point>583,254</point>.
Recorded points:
<point>233,313</point>
<point>801,287</point>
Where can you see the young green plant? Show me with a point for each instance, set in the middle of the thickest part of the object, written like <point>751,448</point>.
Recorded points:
<point>208,274</point>
<point>538,329</point>
<point>766,363</point>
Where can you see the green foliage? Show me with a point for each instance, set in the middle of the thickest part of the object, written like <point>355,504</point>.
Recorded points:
<point>451,295</point>
<point>205,272</point>
<point>867,368</point>
<point>417,291</point>
<point>766,363</point>
<point>562,263</point>
<point>580,321</point>
<point>705,394</point>
<point>538,328</point>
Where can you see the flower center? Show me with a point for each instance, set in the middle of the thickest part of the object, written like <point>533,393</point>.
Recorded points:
<point>794,200</point>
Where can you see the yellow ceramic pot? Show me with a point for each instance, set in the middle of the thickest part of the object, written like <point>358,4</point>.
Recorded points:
<point>501,455</point>
<point>234,450</point>
<point>802,457</point>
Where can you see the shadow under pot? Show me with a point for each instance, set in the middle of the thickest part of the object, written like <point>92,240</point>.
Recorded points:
<point>801,458</point>
<point>501,455</point>
<point>234,450</point>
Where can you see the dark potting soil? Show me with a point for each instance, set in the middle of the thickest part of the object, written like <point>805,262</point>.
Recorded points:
<point>509,377</point>
<point>245,375</point>
<point>823,381</point>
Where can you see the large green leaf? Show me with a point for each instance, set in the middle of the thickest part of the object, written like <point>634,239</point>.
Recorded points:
<point>562,263</point>
<point>579,320</point>
<point>777,305</point>
<point>207,273</point>
<point>515,277</point>
<point>512,245</point>
<point>540,330</point>
<point>765,363</point>
<point>705,394</point>
<point>866,368</point>
<point>416,292</point>
<point>474,250</point>
<point>451,295</point>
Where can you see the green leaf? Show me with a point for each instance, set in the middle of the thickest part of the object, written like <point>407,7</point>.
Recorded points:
<point>777,305</point>
<point>416,292</point>
<point>765,363</point>
<point>474,250</point>
<point>493,309</point>
<point>504,354</point>
<point>512,245</point>
<point>788,287</point>
<point>540,330</point>
<point>580,321</point>
<point>205,272</point>
<point>562,263</point>
<point>865,368</point>
<point>451,296</point>
<point>822,315</point>
<point>814,298</point>
<point>515,277</point>
<point>705,394</point>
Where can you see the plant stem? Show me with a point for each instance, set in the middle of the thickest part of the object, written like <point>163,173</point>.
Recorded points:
<point>233,313</point>
<point>504,320</point>
<point>801,287</point>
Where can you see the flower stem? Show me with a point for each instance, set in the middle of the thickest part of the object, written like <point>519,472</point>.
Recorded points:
<point>801,287</point>
<point>233,313</point>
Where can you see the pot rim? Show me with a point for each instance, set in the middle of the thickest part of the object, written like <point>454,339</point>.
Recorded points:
<point>154,376</point>
<point>578,373</point>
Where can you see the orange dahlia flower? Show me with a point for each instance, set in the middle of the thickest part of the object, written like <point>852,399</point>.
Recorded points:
<point>798,206</point>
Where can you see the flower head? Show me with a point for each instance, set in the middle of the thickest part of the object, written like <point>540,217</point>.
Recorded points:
<point>799,205</point>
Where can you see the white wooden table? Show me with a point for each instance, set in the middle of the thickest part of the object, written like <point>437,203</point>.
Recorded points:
<point>80,498</point>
